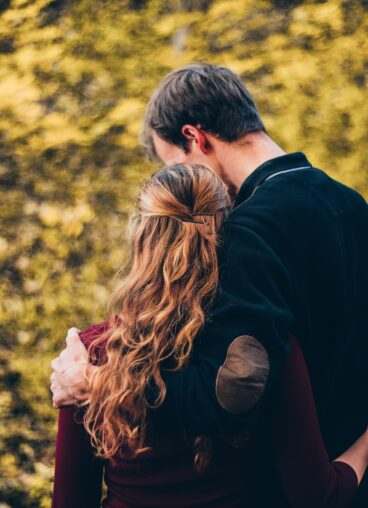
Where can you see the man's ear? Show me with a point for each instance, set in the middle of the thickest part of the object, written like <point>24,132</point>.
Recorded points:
<point>197,136</point>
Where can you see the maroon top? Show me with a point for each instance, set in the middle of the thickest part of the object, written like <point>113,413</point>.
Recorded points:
<point>165,477</point>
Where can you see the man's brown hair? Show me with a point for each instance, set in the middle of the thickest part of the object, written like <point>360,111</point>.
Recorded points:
<point>208,95</point>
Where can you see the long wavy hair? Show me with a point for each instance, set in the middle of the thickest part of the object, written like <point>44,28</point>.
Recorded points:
<point>159,306</point>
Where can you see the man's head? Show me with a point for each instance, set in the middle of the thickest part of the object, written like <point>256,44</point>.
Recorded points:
<point>193,107</point>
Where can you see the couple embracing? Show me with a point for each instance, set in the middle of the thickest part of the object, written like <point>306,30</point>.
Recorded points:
<point>230,371</point>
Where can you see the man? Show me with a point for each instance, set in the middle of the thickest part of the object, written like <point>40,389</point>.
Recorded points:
<point>295,260</point>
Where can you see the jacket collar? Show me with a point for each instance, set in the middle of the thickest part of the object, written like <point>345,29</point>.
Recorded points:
<point>286,162</point>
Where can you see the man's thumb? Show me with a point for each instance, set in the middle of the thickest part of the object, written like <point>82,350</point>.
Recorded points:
<point>72,336</point>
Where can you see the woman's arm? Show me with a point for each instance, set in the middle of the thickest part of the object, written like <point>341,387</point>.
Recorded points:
<point>78,472</point>
<point>357,456</point>
<point>308,476</point>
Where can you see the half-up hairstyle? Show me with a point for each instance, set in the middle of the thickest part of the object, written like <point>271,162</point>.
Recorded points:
<point>159,306</point>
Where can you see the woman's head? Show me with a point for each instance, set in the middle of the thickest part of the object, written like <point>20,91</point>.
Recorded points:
<point>159,306</point>
<point>179,212</point>
<point>181,191</point>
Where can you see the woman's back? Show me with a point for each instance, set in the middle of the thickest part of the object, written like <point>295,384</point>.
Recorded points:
<point>165,476</point>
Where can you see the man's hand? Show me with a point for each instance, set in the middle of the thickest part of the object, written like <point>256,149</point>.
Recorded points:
<point>69,379</point>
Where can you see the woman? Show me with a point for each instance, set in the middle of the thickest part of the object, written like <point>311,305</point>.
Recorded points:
<point>154,316</point>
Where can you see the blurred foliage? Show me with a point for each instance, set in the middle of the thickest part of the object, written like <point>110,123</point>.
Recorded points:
<point>74,80</point>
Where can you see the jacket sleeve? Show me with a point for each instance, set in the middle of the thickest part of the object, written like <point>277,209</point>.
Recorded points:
<point>78,472</point>
<point>243,346</point>
<point>307,475</point>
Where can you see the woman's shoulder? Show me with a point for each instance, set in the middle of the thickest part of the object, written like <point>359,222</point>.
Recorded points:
<point>93,332</point>
<point>96,348</point>
<point>95,339</point>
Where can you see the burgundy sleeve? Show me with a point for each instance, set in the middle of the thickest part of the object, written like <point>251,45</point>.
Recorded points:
<point>78,472</point>
<point>308,476</point>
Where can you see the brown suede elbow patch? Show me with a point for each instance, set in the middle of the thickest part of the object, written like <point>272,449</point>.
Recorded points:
<point>242,378</point>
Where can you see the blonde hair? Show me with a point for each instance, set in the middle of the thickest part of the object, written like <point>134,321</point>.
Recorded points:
<point>159,306</point>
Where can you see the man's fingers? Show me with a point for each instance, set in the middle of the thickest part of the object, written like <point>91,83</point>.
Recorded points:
<point>73,329</point>
<point>60,365</point>
<point>62,399</point>
<point>56,365</point>
<point>55,387</point>
<point>61,396</point>
<point>64,355</point>
<point>72,336</point>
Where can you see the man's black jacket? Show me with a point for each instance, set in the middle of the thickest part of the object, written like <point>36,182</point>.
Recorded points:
<point>294,259</point>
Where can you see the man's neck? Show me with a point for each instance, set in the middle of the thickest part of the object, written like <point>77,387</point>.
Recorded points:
<point>239,159</point>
